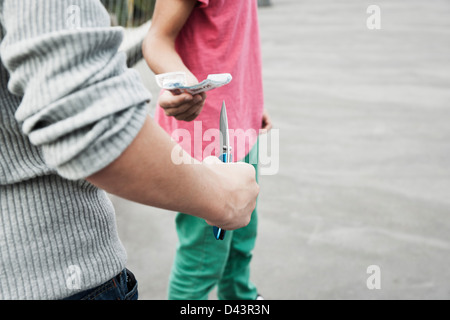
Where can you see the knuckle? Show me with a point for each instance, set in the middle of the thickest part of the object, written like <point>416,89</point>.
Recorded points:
<point>172,104</point>
<point>169,113</point>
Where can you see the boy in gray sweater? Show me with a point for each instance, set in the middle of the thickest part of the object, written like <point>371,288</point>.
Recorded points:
<point>73,124</point>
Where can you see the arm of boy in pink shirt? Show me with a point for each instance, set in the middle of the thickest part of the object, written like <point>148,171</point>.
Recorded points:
<point>159,52</point>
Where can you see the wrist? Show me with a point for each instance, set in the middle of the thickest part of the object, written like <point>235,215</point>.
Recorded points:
<point>214,199</point>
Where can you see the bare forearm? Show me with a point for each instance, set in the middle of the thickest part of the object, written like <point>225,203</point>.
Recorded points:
<point>161,55</point>
<point>145,173</point>
<point>159,44</point>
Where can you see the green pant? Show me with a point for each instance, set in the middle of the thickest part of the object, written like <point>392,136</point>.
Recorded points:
<point>202,262</point>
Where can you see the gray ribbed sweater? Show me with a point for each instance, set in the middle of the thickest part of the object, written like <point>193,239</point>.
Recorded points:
<point>68,108</point>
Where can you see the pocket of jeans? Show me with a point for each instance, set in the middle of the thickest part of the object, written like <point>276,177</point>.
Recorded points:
<point>102,292</point>
<point>132,287</point>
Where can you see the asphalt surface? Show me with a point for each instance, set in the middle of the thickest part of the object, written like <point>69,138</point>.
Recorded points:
<point>364,157</point>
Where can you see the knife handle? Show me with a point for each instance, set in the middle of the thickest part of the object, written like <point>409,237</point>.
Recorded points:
<point>224,157</point>
<point>219,234</point>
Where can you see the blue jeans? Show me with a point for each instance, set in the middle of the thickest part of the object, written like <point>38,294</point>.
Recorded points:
<point>122,287</point>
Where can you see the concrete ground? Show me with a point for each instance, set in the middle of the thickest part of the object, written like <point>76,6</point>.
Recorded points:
<point>364,152</point>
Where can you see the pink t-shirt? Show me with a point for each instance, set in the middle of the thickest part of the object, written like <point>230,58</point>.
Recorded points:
<point>221,36</point>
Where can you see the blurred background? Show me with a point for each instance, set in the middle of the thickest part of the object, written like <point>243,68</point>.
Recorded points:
<point>364,151</point>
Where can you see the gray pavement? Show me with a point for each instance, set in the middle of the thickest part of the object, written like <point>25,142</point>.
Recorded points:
<point>364,177</point>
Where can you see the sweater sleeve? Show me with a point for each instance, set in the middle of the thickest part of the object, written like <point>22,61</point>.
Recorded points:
<point>80,103</point>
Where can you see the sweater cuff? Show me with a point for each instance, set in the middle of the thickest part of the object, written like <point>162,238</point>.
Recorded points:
<point>104,152</point>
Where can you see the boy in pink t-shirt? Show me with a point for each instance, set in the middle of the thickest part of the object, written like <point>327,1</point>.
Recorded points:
<point>202,37</point>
